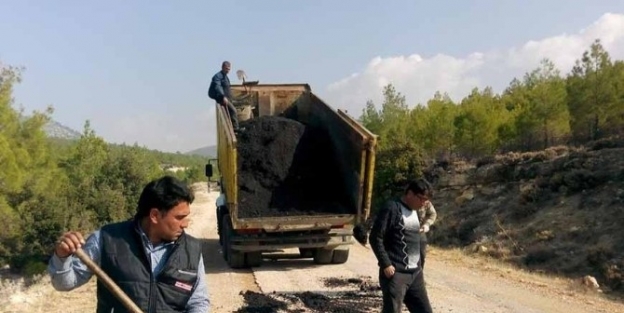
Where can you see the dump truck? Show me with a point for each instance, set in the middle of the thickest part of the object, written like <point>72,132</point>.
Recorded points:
<point>326,237</point>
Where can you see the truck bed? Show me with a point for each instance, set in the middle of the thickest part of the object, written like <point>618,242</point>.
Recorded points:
<point>352,147</point>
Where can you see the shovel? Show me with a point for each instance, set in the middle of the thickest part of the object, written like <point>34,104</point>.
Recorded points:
<point>108,282</point>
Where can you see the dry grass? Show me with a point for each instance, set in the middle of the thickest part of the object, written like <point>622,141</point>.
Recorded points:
<point>18,295</point>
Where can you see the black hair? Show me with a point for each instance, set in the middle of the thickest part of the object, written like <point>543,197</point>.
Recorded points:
<point>420,187</point>
<point>163,194</point>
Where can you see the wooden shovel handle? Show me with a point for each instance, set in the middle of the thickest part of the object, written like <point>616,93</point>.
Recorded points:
<point>108,282</point>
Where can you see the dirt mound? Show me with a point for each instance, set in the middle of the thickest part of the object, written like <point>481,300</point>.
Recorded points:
<point>286,168</point>
<point>363,296</point>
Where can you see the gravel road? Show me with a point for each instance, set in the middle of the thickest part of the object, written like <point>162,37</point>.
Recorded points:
<point>456,283</point>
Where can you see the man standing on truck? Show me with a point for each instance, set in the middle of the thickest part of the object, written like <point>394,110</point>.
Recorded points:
<point>220,91</point>
<point>395,240</point>
<point>427,216</point>
<point>150,257</point>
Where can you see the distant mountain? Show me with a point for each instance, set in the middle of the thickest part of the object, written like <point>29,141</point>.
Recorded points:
<point>208,151</point>
<point>55,129</point>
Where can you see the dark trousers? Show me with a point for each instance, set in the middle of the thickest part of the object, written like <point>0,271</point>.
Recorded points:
<point>408,288</point>
<point>232,112</point>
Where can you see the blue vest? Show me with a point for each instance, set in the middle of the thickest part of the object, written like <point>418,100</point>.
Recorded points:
<point>124,259</point>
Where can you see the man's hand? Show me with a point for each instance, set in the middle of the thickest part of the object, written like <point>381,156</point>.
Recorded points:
<point>225,101</point>
<point>389,271</point>
<point>68,244</point>
<point>424,228</point>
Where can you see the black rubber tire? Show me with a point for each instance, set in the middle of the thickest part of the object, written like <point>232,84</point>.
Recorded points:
<point>235,259</point>
<point>253,259</point>
<point>306,252</point>
<point>323,256</point>
<point>340,256</point>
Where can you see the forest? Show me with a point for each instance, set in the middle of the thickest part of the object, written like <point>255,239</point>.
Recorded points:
<point>544,108</point>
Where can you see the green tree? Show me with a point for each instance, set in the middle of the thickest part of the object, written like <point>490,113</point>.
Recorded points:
<point>436,126</point>
<point>591,93</point>
<point>480,116</point>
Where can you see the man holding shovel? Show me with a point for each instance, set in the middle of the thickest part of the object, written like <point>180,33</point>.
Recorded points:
<point>150,257</point>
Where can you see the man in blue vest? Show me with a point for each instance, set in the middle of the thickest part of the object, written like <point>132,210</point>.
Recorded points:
<point>150,257</point>
<point>220,91</point>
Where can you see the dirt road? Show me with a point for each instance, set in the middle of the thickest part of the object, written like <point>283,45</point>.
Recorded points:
<point>456,283</point>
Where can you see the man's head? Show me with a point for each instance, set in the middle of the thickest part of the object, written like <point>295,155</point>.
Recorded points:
<point>164,205</point>
<point>225,67</point>
<point>417,193</point>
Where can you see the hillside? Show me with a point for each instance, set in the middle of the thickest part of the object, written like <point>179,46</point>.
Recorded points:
<point>207,151</point>
<point>557,211</point>
<point>55,129</point>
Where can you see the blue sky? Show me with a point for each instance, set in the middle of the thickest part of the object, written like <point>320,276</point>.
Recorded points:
<point>139,70</point>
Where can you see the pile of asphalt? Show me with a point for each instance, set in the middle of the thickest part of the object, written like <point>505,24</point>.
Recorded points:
<point>286,168</point>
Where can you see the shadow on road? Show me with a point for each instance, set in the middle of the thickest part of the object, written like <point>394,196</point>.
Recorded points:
<point>215,263</point>
<point>213,259</point>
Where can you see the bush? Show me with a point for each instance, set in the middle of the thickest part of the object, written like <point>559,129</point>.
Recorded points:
<point>34,268</point>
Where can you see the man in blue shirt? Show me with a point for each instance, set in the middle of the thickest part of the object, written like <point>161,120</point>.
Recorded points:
<point>150,257</point>
<point>220,91</point>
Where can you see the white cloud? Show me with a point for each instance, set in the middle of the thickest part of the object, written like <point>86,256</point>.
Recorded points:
<point>419,78</point>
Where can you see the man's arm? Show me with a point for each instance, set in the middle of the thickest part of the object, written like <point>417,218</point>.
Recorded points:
<point>199,301</point>
<point>430,214</point>
<point>377,236</point>
<point>70,273</point>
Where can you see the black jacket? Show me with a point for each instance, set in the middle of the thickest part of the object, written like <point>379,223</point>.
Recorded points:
<point>392,242</point>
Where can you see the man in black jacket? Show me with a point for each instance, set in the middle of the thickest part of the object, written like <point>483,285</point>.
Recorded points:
<point>395,240</point>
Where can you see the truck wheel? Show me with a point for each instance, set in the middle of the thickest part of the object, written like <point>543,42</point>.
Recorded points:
<point>340,256</point>
<point>306,252</point>
<point>254,259</point>
<point>323,256</point>
<point>235,259</point>
<point>219,226</point>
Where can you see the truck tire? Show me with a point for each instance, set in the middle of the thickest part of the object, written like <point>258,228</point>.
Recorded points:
<point>235,259</point>
<point>253,259</point>
<point>341,255</point>
<point>219,226</point>
<point>306,252</point>
<point>323,256</point>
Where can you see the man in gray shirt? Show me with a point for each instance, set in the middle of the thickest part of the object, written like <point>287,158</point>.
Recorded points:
<point>149,257</point>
